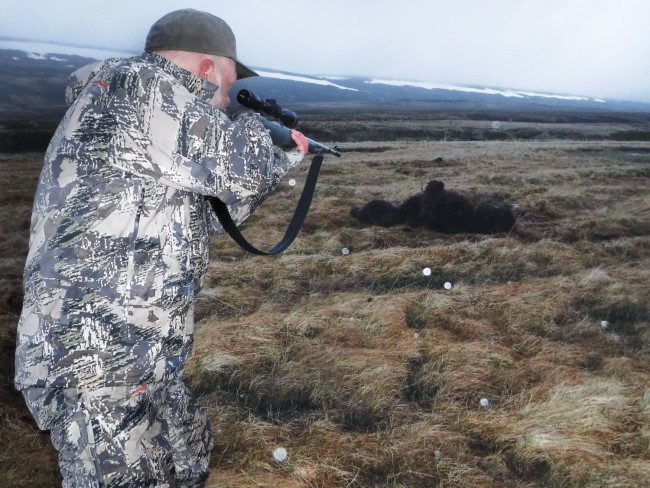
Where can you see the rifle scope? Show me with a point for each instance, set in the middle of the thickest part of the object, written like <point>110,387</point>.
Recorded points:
<point>269,107</point>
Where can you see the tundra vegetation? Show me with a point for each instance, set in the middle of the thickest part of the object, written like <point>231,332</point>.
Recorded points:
<point>371,374</point>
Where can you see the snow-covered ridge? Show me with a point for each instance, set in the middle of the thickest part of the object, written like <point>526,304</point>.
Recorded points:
<point>43,50</point>
<point>487,91</point>
<point>52,51</point>
<point>441,86</point>
<point>304,79</point>
<point>549,95</point>
<point>334,77</point>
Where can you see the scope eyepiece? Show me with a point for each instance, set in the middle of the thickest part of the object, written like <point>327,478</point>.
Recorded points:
<point>249,100</point>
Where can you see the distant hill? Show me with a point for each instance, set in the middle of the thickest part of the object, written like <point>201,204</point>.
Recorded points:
<point>33,74</point>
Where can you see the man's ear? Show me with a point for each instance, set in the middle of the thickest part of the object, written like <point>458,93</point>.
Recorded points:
<point>205,68</point>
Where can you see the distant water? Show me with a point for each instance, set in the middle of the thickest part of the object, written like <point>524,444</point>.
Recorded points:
<point>46,50</point>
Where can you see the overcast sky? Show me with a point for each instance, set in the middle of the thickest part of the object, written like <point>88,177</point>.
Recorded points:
<point>598,48</point>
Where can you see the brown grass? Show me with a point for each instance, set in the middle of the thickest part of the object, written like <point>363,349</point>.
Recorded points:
<point>371,374</point>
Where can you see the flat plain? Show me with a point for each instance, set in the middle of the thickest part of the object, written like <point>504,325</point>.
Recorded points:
<point>532,371</point>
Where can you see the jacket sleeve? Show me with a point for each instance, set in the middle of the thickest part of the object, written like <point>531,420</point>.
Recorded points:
<point>194,146</point>
<point>241,209</point>
<point>244,163</point>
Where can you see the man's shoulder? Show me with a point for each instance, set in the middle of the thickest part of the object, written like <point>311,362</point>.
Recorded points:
<point>136,66</point>
<point>140,78</point>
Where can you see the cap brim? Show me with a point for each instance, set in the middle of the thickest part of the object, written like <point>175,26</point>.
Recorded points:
<point>244,71</point>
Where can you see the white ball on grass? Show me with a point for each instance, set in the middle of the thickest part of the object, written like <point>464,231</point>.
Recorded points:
<point>280,454</point>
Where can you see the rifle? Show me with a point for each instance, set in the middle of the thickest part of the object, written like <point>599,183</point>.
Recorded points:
<point>286,120</point>
<point>280,132</point>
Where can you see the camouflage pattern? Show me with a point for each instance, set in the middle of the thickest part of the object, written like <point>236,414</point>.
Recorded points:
<point>119,230</point>
<point>155,436</point>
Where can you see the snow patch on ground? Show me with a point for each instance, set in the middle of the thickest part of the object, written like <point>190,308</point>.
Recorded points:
<point>487,91</point>
<point>550,95</point>
<point>36,56</point>
<point>304,79</point>
<point>442,86</point>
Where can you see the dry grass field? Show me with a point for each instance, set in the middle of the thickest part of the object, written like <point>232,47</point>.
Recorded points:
<point>371,374</point>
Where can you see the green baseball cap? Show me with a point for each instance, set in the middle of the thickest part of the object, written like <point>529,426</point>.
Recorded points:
<point>195,31</point>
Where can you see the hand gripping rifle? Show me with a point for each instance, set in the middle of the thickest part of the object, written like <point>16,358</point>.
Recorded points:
<point>286,120</point>
<point>280,132</point>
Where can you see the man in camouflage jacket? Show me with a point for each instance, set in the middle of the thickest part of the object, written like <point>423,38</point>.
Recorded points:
<point>119,242</point>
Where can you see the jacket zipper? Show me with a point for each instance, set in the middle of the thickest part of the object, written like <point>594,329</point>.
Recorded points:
<point>131,259</point>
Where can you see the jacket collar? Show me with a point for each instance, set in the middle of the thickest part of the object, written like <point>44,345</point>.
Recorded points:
<point>194,84</point>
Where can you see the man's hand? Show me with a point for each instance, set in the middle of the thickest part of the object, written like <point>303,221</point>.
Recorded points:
<point>300,140</point>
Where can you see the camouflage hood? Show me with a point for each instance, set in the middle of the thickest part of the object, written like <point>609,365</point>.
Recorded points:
<point>120,225</point>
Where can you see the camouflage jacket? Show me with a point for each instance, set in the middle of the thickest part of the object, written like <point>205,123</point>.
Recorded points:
<point>119,230</point>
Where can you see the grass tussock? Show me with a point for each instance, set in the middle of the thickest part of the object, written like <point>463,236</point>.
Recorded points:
<point>577,433</point>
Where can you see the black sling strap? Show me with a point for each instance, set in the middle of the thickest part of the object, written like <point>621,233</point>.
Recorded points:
<point>297,220</point>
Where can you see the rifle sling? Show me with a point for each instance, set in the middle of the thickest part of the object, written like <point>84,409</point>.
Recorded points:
<point>299,215</point>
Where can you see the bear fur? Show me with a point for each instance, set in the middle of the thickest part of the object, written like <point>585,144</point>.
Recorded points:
<point>441,210</point>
